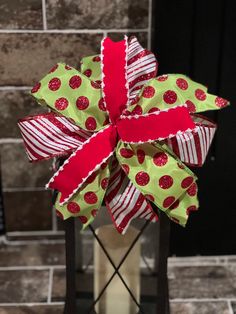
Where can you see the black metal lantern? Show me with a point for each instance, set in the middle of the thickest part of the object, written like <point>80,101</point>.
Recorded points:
<point>107,272</point>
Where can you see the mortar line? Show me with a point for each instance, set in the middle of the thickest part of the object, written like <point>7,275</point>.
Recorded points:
<point>15,87</point>
<point>24,189</point>
<point>10,140</point>
<point>31,304</point>
<point>39,267</point>
<point>50,282</point>
<point>44,15</point>
<point>34,233</point>
<point>72,31</point>
<point>179,300</point>
<point>149,24</point>
<point>27,242</point>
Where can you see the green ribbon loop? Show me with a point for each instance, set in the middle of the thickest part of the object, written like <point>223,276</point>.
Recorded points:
<point>88,199</point>
<point>171,90</point>
<point>67,91</point>
<point>160,176</point>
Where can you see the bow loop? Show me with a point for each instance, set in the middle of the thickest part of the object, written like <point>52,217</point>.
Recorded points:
<point>172,90</point>
<point>65,90</point>
<point>158,174</point>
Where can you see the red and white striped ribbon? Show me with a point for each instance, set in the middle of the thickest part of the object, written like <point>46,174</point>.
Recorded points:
<point>141,67</point>
<point>49,135</point>
<point>192,147</point>
<point>125,202</point>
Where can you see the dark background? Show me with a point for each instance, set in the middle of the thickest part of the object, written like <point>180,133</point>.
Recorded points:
<point>197,38</point>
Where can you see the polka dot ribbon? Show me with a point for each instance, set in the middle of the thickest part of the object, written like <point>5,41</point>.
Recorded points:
<point>124,131</point>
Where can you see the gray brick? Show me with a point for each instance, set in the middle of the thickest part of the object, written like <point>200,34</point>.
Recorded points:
<point>21,14</point>
<point>63,14</point>
<point>26,58</point>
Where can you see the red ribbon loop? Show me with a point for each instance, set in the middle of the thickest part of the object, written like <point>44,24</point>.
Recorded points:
<point>154,126</point>
<point>85,160</point>
<point>115,90</point>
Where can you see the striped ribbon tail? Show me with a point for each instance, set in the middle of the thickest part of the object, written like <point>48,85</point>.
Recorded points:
<point>192,147</point>
<point>125,202</point>
<point>141,67</point>
<point>50,135</point>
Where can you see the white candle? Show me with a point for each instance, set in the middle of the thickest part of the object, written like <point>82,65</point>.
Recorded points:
<point>116,299</point>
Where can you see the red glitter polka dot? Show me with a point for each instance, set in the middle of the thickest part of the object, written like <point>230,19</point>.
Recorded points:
<point>168,201</point>
<point>90,198</point>
<point>174,205</point>
<point>137,110</point>
<point>191,209</point>
<point>160,159</point>
<point>221,102</point>
<point>104,165</point>
<point>148,92</point>
<point>170,97</point>
<point>91,178</point>
<point>61,103</point>
<point>191,106</point>
<point>54,84</point>
<point>141,156</point>
<point>83,219</point>
<point>104,183</point>
<point>36,88</point>
<point>150,197</point>
<point>101,105</point>
<point>153,109</point>
<point>88,72</point>
<point>200,94</point>
<point>125,168</point>
<point>96,59</point>
<point>94,212</point>
<point>96,84</point>
<point>162,78</point>
<point>165,182</point>
<point>75,81</point>
<point>126,152</point>
<point>73,207</point>
<point>142,178</point>
<point>67,67</point>
<point>187,182</point>
<point>182,83</point>
<point>59,214</point>
<point>53,69</point>
<point>90,124</point>
<point>192,190</point>
<point>82,103</point>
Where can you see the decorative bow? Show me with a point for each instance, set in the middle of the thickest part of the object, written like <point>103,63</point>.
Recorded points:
<point>123,129</point>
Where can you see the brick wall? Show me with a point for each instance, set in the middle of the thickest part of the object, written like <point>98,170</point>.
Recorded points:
<point>34,35</point>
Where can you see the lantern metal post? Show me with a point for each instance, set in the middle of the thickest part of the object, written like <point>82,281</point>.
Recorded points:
<point>162,265</point>
<point>70,303</point>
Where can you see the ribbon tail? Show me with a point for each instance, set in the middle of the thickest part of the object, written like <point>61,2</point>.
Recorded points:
<point>125,202</point>
<point>49,135</point>
<point>179,212</point>
<point>192,147</point>
<point>87,201</point>
<point>83,162</point>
